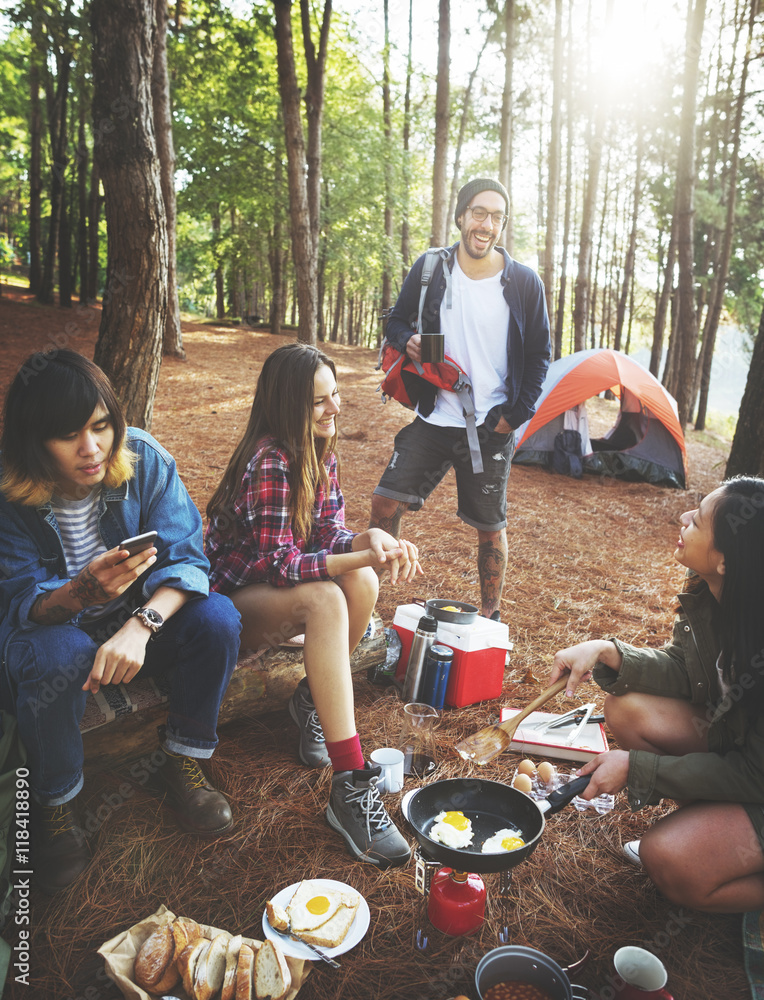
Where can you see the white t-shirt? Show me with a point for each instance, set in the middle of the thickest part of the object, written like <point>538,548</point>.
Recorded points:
<point>475,330</point>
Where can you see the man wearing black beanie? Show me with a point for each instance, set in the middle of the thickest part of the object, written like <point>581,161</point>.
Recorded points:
<point>492,313</point>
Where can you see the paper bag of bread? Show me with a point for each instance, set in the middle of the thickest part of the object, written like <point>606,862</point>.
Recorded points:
<point>316,914</point>
<point>194,961</point>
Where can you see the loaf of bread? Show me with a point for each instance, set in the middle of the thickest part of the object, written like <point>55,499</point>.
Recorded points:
<point>228,989</point>
<point>155,969</point>
<point>210,969</point>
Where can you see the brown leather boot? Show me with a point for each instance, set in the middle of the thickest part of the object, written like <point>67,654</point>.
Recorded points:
<point>200,808</point>
<point>60,850</point>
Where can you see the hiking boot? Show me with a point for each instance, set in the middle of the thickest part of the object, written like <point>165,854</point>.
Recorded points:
<point>199,806</point>
<point>356,812</point>
<point>312,748</point>
<point>60,850</point>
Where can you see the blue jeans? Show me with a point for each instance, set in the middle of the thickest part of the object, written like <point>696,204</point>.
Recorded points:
<point>45,669</point>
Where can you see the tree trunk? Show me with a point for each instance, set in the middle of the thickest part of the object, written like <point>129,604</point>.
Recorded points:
<point>560,315</point>
<point>35,157</point>
<point>506,140</point>
<point>405,230</point>
<point>57,100</point>
<point>662,306</point>
<point>172,337</point>
<point>440,224</point>
<point>94,214</point>
<point>303,166</point>
<point>275,253</point>
<point>553,179</point>
<point>747,453</point>
<point>65,284</point>
<point>219,284</point>
<point>722,271</point>
<point>581,304</point>
<point>684,370</point>
<point>387,166</point>
<point>83,168</point>
<point>129,346</point>
<point>464,118</point>
<point>628,266</point>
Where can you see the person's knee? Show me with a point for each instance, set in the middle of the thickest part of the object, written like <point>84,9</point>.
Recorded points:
<point>386,507</point>
<point>217,614</point>
<point>48,664</point>
<point>665,860</point>
<point>623,715</point>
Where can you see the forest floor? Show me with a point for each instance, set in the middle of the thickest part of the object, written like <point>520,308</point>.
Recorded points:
<point>588,558</point>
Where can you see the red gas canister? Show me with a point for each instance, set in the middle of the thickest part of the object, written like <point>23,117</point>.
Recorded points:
<point>456,903</point>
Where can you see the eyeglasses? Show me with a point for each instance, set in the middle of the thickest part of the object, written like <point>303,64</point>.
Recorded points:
<point>480,214</point>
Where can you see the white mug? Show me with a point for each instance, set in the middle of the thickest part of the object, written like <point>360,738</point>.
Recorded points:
<point>391,762</point>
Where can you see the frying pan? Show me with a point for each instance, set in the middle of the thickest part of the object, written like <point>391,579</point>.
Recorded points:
<point>491,806</point>
<point>466,614</point>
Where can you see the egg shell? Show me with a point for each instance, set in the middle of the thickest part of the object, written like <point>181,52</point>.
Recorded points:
<point>526,767</point>
<point>522,783</point>
<point>546,771</point>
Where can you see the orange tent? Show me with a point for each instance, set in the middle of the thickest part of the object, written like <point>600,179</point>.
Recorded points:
<point>646,442</point>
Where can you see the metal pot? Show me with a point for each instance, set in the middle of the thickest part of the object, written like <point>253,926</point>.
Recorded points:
<point>491,806</point>
<point>515,963</point>
<point>466,614</point>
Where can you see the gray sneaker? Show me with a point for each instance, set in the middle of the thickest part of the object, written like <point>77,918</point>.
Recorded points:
<point>355,810</point>
<point>312,747</point>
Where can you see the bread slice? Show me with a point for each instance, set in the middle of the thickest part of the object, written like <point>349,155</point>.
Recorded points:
<point>244,973</point>
<point>272,976</point>
<point>210,969</point>
<point>332,933</point>
<point>228,989</point>
<point>188,962</point>
<point>185,931</point>
<point>154,958</point>
<point>277,916</point>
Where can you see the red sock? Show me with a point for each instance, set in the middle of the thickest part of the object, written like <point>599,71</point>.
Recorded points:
<point>346,754</point>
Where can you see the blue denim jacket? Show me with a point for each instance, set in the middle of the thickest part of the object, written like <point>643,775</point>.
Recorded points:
<point>32,556</point>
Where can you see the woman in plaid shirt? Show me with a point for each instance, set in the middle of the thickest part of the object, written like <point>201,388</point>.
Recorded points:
<point>278,546</point>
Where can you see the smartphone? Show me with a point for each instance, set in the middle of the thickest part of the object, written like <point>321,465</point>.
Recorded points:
<point>139,542</point>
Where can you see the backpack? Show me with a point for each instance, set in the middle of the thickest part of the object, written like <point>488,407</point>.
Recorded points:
<point>567,457</point>
<point>415,383</point>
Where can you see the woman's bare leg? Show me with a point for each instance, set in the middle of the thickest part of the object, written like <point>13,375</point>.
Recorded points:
<point>661,725</point>
<point>320,610</point>
<point>360,588</point>
<point>707,856</point>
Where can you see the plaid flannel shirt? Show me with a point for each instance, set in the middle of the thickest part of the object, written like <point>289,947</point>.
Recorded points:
<point>265,550</point>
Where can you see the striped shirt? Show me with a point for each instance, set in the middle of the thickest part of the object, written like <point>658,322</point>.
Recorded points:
<point>78,525</point>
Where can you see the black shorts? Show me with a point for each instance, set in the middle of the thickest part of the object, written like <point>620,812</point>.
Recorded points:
<point>422,455</point>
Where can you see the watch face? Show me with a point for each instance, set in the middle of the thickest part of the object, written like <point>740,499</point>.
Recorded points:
<point>150,617</point>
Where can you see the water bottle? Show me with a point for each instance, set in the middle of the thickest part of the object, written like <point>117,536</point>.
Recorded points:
<point>424,637</point>
<point>437,667</point>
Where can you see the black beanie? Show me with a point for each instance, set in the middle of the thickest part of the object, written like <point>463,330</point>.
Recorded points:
<point>471,188</point>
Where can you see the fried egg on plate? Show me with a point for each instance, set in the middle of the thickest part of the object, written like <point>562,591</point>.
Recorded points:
<point>503,841</point>
<point>453,829</point>
<point>311,906</point>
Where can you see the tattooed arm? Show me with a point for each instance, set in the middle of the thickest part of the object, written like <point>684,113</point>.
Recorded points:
<point>105,577</point>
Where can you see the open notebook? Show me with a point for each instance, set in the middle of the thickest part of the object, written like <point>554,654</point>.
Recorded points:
<point>590,741</point>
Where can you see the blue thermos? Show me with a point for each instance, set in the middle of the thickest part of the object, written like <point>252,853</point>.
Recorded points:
<point>436,670</point>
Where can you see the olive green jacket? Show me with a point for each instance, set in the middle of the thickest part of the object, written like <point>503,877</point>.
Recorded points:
<point>733,769</point>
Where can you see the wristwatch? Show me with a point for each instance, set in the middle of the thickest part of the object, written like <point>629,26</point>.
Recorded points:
<point>150,618</point>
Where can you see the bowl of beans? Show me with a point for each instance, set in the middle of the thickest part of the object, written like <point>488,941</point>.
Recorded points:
<point>514,972</point>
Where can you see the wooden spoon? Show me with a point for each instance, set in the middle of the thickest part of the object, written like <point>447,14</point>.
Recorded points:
<point>491,741</point>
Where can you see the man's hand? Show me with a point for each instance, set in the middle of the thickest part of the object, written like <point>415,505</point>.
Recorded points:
<point>414,347</point>
<point>120,658</point>
<point>109,575</point>
<point>503,427</point>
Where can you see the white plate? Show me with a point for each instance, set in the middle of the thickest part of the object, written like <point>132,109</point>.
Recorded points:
<point>296,950</point>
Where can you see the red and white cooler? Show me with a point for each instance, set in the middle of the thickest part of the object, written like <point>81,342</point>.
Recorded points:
<point>480,653</point>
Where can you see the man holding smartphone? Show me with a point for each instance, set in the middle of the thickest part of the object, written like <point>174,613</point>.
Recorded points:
<point>83,604</point>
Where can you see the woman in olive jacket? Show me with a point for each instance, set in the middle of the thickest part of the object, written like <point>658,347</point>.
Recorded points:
<point>690,717</point>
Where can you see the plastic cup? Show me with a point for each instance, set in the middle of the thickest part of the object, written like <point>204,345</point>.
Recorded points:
<point>417,740</point>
